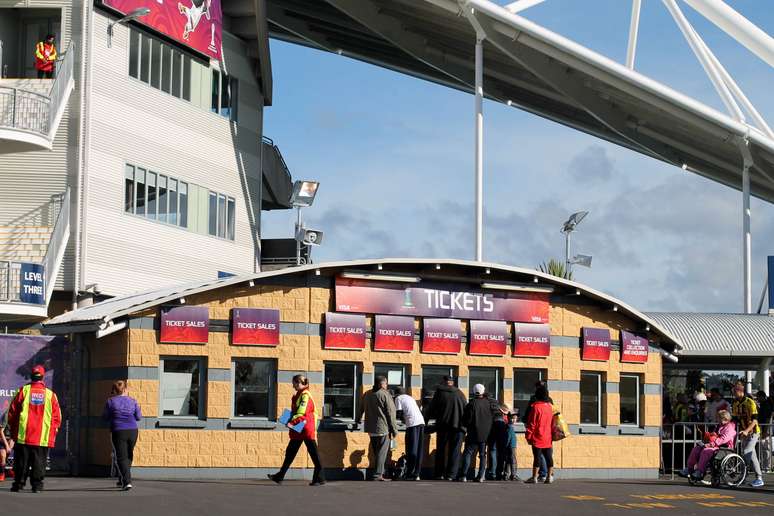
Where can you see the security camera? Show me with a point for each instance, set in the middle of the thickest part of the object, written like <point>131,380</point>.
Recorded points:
<point>309,236</point>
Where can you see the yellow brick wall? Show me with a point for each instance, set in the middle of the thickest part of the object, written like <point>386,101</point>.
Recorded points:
<point>262,448</point>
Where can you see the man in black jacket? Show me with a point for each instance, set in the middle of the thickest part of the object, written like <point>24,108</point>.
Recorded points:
<point>477,419</point>
<point>447,408</point>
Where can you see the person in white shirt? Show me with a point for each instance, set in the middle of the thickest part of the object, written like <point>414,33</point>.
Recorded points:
<point>415,432</point>
<point>715,403</point>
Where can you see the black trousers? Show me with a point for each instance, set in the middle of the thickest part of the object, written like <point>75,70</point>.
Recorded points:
<point>123,444</point>
<point>46,75</point>
<point>415,450</point>
<point>26,457</point>
<point>450,438</point>
<point>290,454</point>
<point>545,453</point>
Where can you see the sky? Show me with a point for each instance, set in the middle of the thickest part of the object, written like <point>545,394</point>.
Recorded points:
<point>394,157</point>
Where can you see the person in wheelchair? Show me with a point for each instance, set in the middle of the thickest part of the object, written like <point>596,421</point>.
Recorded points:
<point>703,452</point>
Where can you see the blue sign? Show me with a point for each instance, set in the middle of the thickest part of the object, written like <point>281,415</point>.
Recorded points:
<point>32,286</point>
<point>224,274</point>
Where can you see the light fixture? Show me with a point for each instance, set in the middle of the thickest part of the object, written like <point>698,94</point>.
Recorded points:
<point>487,271</point>
<point>399,278</point>
<point>137,13</point>
<point>251,283</point>
<point>517,287</point>
<point>379,267</point>
<point>669,356</point>
<point>568,227</point>
<point>575,219</point>
<point>182,300</point>
<point>304,193</point>
<point>581,259</point>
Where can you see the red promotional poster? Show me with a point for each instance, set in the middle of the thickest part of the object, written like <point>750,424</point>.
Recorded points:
<point>194,23</point>
<point>441,336</point>
<point>345,331</point>
<point>439,300</point>
<point>255,326</point>
<point>185,324</point>
<point>634,348</point>
<point>488,337</point>
<point>596,344</point>
<point>531,340</point>
<point>394,333</point>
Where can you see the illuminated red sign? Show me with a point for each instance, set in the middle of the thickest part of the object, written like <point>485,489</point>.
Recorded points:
<point>345,331</point>
<point>488,337</point>
<point>634,348</point>
<point>441,336</point>
<point>255,326</point>
<point>531,340</point>
<point>394,333</point>
<point>596,344</point>
<point>185,324</point>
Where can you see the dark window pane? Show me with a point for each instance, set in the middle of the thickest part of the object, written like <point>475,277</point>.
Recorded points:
<point>486,376</point>
<point>151,212</point>
<point>234,94</point>
<point>180,388</point>
<point>212,214</point>
<point>629,395</point>
<point>339,394</point>
<point>215,103</point>
<point>590,398</point>
<point>432,376</point>
<point>183,205</point>
<point>176,58</point>
<point>395,374</point>
<point>524,381</point>
<point>230,215</point>
<point>225,103</point>
<point>163,198</point>
<point>186,78</point>
<point>145,59</point>
<point>253,382</point>
<point>221,216</point>
<point>129,189</point>
<point>139,185</point>
<point>173,201</point>
<point>155,63</point>
<point>134,52</point>
<point>166,67</point>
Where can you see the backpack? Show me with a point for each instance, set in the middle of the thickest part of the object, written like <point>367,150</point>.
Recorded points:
<point>559,427</point>
<point>397,468</point>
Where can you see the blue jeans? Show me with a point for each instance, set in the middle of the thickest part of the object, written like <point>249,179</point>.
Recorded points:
<point>472,447</point>
<point>448,439</point>
<point>543,469</point>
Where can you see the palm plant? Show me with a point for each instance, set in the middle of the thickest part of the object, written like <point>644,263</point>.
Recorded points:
<point>555,268</point>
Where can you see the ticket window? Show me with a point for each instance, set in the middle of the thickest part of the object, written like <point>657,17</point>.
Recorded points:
<point>432,376</point>
<point>396,375</point>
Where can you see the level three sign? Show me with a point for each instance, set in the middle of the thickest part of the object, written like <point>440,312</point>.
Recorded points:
<point>32,284</point>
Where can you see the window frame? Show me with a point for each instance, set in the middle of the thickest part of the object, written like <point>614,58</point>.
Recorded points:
<point>272,394</point>
<point>177,194</point>
<point>542,376</point>
<point>202,412</point>
<point>498,381</point>
<point>404,369</point>
<point>179,62</point>
<point>450,370</point>
<point>357,367</point>
<point>600,395</point>
<point>639,402</point>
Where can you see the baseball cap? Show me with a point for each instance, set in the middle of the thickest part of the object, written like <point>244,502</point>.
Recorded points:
<point>478,389</point>
<point>38,371</point>
<point>448,378</point>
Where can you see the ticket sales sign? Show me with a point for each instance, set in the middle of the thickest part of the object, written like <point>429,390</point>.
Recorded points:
<point>185,324</point>
<point>531,340</point>
<point>441,336</point>
<point>596,344</point>
<point>255,326</point>
<point>488,337</point>
<point>345,331</point>
<point>439,300</point>
<point>634,348</point>
<point>394,333</point>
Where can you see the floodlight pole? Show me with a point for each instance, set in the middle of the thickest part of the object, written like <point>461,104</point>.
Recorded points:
<point>568,264</point>
<point>298,228</point>
<point>479,146</point>
<point>746,216</point>
<point>634,27</point>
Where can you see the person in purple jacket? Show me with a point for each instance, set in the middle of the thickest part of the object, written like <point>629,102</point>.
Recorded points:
<point>123,413</point>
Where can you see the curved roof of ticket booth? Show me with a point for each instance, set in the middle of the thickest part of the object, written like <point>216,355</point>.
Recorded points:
<point>109,316</point>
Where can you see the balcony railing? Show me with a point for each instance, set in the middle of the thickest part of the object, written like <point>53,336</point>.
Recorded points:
<point>32,112</point>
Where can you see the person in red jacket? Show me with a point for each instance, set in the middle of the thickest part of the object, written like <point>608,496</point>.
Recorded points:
<point>302,409</point>
<point>45,57</point>
<point>539,434</point>
<point>34,418</point>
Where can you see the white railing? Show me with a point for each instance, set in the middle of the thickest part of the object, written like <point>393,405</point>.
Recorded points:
<point>32,112</point>
<point>57,245</point>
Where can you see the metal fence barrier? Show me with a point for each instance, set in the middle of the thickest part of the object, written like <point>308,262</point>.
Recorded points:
<point>678,439</point>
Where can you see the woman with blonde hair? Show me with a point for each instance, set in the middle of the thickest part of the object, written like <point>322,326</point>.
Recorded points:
<point>123,413</point>
<point>702,453</point>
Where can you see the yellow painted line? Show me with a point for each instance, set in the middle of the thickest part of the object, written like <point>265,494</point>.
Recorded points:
<point>641,505</point>
<point>689,496</point>
<point>583,497</point>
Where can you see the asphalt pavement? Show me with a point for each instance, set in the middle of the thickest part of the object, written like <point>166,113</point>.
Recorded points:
<point>65,496</point>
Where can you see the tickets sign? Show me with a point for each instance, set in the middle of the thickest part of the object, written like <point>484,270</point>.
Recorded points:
<point>345,331</point>
<point>439,300</point>
<point>394,333</point>
<point>531,340</point>
<point>488,337</point>
<point>441,336</point>
<point>185,324</point>
<point>634,348</point>
<point>596,344</point>
<point>255,326</point>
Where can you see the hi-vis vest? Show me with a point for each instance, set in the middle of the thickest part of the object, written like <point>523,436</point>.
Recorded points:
<point>39,417</point>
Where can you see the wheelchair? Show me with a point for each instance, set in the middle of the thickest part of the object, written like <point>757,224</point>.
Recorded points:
<point>726,469</point>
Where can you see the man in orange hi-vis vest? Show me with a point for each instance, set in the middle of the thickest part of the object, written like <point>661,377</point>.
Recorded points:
<point>34,418</point>
<point>45,57</point>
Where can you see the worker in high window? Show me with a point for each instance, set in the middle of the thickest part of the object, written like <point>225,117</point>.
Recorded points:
<point>45,57</point>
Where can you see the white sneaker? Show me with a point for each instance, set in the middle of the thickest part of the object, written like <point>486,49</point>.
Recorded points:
<point>541,479</point>
<point>531,480</point>
<point>127,487</point>
<point>549,480</point>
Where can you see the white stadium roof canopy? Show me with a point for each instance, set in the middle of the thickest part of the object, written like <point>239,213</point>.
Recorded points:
<point>532,68</point>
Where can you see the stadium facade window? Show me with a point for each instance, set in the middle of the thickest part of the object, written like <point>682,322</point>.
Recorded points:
<point>181,390</point>
<point>159,65</point>
<point>254,387</point>
<point>155,196</point>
